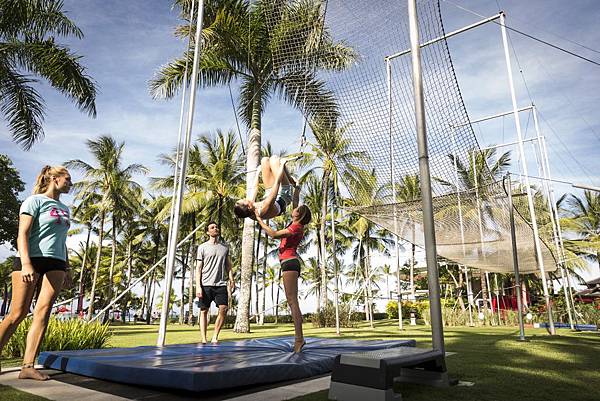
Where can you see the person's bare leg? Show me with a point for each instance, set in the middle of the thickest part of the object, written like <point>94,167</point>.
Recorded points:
<point>219,323</point>
<point>279,170</point>
<point>22,294</point>
<point>290,285</point>
<point>268,174</point>
<point>52,282</point>
<point>203,321</point>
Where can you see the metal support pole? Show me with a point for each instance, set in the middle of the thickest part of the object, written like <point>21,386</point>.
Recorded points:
<point>543,171</point>
<point>446,36</point>
<point>560,238</point>
<point>394,193</point>
<point>437,329</point>
<point>537,245</point>
<point>168,280</point>
<point>497,299</point>
<point>513,241</point>
<point>479,219</point>
<point>462,227</point>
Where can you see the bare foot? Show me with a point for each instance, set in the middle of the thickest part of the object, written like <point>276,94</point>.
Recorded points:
<point>203,341</point>
<point>32,373</point>
<point>298,345</point>
<point>214,341</point>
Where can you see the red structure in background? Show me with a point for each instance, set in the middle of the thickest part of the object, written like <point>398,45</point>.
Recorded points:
<point>508,302</point>
<point>591,294</point>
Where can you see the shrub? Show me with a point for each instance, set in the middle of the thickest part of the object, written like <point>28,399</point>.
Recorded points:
<point>590,314</point>
<point>325,317</point>
<point>61,335</point>
<point>282,318</point>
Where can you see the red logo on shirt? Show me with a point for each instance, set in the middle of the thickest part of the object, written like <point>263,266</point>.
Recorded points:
<point>59,214</point>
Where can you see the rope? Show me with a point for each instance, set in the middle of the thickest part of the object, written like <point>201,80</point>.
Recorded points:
<point>530,36</point>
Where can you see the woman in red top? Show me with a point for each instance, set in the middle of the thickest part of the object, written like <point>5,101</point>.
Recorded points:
<point>290,263</point>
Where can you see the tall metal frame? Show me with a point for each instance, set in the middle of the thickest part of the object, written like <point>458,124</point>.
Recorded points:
<point>394,192</point>
<point>435,308</point>
<point>538,249</point>
<point>415,47</point>
<point>174,232</point>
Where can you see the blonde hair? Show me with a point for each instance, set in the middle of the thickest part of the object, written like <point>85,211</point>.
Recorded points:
<point>43,179</point>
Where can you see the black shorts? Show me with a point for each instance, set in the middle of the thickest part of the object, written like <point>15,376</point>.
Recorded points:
<point>42,265</point>
<point>290,265</point>
<point>210,293</point>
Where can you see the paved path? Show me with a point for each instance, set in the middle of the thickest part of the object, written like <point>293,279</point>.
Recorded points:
<point>69,387</point>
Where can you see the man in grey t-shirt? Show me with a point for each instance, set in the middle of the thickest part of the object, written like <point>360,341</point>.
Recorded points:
<point>213,270</point>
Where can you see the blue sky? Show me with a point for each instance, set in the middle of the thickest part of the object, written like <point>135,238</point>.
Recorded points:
<point>126,42</point>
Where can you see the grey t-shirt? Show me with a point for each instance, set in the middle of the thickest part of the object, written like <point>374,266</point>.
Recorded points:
<point>214,267</point>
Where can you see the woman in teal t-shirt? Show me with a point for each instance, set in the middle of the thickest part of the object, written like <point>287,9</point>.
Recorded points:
<point>42,244</point>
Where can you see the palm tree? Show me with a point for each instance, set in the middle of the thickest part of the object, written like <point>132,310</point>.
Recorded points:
<point>363,185</point>
<point>114,183</point>
<point>28,46</point>
<point>239,42</point>
<point>85,213</point>
<point>584,222</point>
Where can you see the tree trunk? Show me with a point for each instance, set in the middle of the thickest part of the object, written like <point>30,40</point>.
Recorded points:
<point>319,253</point>
<point>150,301</point>
<point>242,321</point>
<point>184,269</point>
<point>523,294</point>
<point>151,278</point>
<point>113,257</point>
<point>263,298</point>
<point>484,290</point>
<point>323,264</point>
<point>90,313</point>
<point>191,294</point>
<point>277,297</point>
<point>369,289</point>
<point>412,267</point>
<point>144,298</point>
<point>256,272</point>
<point>4,300</point>
<point>127,281</point>
<point>81,274</point>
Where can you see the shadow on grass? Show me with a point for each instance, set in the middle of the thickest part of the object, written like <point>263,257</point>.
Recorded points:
<point>562,367</point>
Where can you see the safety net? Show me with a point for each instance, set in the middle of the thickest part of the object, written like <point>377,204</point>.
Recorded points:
<point>344,60</point>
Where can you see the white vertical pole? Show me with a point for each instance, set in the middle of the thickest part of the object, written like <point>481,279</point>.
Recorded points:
<point>172,246</point>
<point>462,228</point>
<point>537,245</point>
<point>479,219</point>
<point>560,239</point>
<point>437,329</point>
<point>179,132</point>
<point>548,187</point>
<point>394,193</point>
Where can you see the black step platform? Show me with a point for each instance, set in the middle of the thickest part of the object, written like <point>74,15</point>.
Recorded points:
<point>371,375</point>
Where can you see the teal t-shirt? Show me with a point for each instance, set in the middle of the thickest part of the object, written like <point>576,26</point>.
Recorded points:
<point>51,222</point>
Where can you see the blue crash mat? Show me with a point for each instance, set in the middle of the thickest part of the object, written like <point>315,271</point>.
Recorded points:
<point>197,367</point>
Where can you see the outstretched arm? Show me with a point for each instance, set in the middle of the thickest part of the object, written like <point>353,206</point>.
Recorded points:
<point>272,233</point>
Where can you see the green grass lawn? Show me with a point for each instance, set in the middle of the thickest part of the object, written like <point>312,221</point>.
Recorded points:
<point>563,367</point>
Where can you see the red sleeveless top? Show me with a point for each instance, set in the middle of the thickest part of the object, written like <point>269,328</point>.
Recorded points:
<point>288,245</point>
